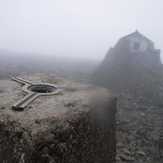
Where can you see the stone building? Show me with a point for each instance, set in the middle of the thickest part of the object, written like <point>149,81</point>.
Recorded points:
<point>133,60</point>
<point>134,48</point>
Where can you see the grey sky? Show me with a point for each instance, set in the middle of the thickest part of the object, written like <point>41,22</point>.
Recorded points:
<point>80,28</point>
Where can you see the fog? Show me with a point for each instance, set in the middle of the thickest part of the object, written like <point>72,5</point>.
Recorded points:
<point>62,48</point>
<point>76,28</point>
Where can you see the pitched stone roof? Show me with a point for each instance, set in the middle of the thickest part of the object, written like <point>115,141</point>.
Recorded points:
<point>137,33</point>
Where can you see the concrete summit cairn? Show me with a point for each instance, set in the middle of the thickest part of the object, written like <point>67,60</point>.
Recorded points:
<point>74,126</point>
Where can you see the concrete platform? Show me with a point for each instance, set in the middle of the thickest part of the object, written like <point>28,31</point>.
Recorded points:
<point>75,126</point>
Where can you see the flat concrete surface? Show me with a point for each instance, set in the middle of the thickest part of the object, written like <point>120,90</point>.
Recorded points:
<point>73,97</point>
<point>75,126</point>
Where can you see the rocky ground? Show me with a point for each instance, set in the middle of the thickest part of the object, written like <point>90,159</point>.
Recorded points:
<point>138,130</point>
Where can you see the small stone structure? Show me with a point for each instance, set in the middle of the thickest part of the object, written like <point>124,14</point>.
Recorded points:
<point>131,61</point>
<point>134,48</point>
<point>76,125</point>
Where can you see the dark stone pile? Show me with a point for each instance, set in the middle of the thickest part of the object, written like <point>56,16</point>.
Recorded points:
<point>133,71</point>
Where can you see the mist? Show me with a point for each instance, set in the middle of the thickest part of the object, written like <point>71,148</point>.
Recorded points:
<point>81,81</point>
<point>79,29</point>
